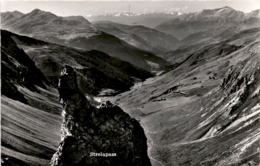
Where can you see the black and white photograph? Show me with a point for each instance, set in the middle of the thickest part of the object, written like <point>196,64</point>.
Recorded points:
<point>130,82</point>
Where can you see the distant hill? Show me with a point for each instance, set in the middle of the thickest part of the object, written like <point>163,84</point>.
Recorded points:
<point>211,21</point>
<point>77,32</point>
<point>39,22</point>
<point>140,36</point>
<point>179,55</point>
<point>145,19</point>
<point>10,17</point>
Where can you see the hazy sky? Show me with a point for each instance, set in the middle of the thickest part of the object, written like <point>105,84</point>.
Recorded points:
<point>93,7</point>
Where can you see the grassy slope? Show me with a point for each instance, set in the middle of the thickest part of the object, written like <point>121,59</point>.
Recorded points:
<point>30,134</point>
<point>140,36</point>
<point>118,48</point>
<point>190,119</point>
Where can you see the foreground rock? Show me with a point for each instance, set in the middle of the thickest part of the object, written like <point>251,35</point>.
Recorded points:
<point>96,136</point>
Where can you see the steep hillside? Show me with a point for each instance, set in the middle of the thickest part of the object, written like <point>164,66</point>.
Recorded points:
<point>205,111</point>
<point>179,55</point>
<point>98,71</point>
<point>18,68</point>
<point>77,32</point>
<point>140,36</point>
<point>30,119</point>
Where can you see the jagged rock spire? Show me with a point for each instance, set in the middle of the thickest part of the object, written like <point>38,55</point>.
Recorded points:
<point>96,136</point>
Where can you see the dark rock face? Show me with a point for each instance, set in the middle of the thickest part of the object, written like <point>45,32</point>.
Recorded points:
<point>107,130</point>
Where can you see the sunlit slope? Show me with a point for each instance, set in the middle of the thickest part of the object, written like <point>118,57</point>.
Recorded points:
<point>29,134</point>
<point>205,111</point>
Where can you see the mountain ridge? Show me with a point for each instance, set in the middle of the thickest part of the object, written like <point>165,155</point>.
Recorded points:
<point>62,30</point>
<point>140,36</point>
<point>209,19</point>
<point>53,57</point>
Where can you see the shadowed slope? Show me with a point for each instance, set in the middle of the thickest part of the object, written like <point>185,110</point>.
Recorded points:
<point>29,109</point>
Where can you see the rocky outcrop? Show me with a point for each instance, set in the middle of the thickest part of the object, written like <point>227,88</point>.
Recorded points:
<point>103,135</point>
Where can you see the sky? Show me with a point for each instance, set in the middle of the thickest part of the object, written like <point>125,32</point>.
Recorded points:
<point>94,7</point>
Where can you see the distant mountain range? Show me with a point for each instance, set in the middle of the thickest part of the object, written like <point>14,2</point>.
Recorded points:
<point>197,30</point>
<point>77,32</point>
<point>137,44</point>
<point>146,19</point>
<point>209,21</point>
<point>140,36</point>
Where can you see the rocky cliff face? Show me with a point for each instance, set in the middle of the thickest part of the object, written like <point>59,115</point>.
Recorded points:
<point>103,135</point>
